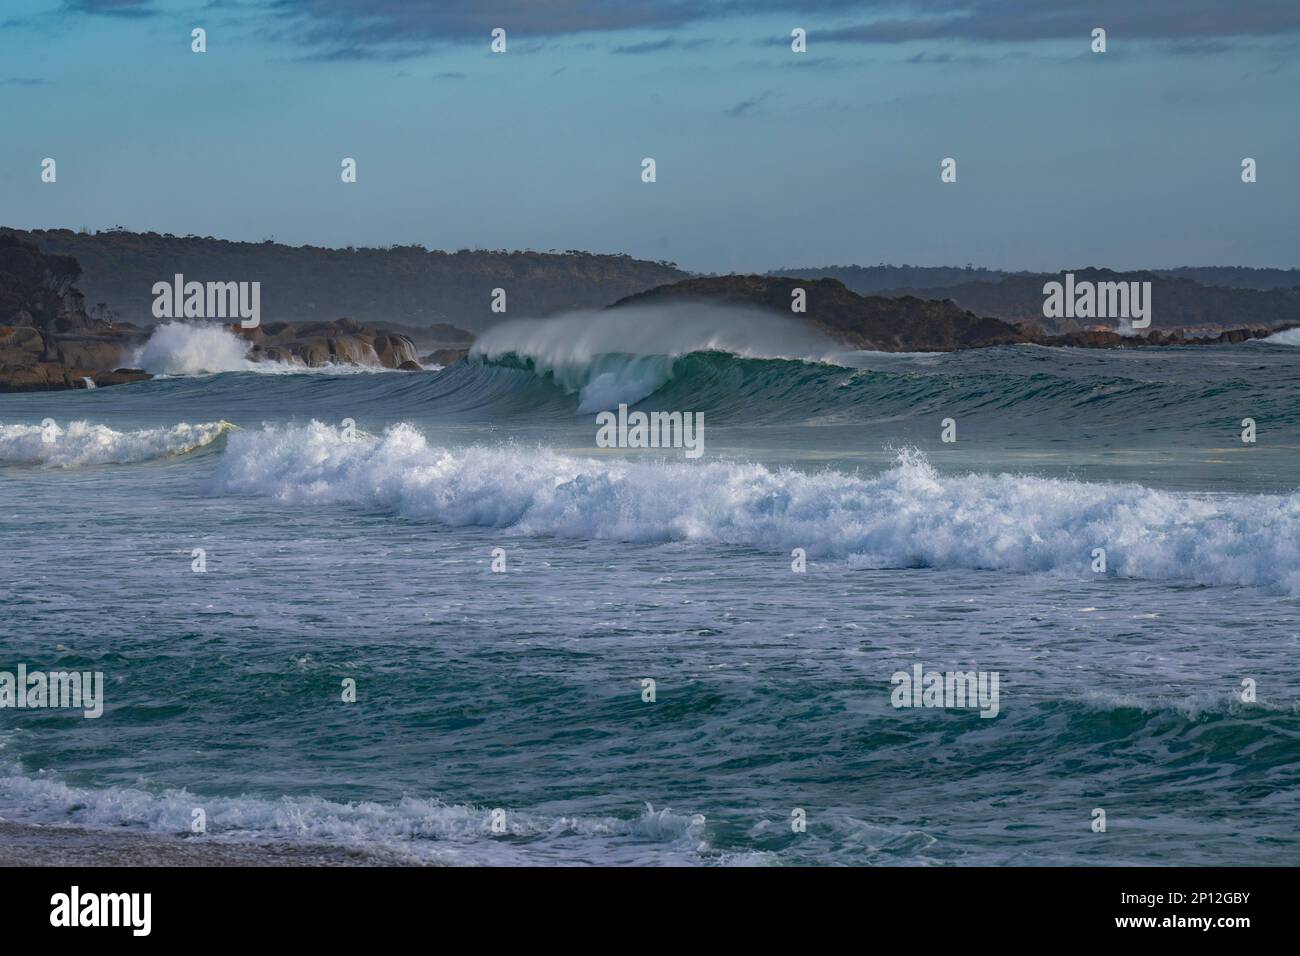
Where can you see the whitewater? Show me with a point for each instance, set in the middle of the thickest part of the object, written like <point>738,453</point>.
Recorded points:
<point>908,516</point>
<point>500,589</point>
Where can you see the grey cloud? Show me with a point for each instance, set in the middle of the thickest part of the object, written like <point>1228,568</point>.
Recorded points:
<point>1009,20</point>
<point>132,9</point>
<point>749,105</point>
<point>400,29</point>
<point>650,46</point>
<point>349,24</point>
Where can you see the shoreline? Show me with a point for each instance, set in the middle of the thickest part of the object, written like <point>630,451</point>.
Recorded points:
<point>25,844</point>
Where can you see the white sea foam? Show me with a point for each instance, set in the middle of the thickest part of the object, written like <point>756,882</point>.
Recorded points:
<point>417,829</point>
<point>197,348</point>
<point>1193,706</point>
<point>82,443</point>
<point>1289,337</point>
<point>191,348</point>
<point>909,516</point>
<point>623,355</point>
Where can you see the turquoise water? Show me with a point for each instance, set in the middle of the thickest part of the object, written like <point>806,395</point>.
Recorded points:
<point>371,559</point>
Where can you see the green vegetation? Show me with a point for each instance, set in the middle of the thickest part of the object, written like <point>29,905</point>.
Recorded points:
<point>407,286</point>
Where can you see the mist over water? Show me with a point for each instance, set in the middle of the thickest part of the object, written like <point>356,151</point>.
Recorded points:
<point>369,555</point>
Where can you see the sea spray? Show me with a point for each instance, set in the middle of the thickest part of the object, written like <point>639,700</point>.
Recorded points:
<point>185,348</point>
<point>623,355</point>
<point>1285,337</point>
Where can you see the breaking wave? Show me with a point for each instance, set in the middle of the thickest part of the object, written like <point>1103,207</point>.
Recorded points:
<point>624,355</point>
<point>1288,337</point>
<point>82,443</point>
<point>193,348</point>
<point>413,829</point>
<point>908,516</point>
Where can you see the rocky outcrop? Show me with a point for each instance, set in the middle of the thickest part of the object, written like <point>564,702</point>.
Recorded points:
<point>341,342</point>
<point>1113,340</point>
<point>905,324</point>
<point>860,322</point>
<point>1175,302</point>
<point>47,341</point>
<point>445,356</point>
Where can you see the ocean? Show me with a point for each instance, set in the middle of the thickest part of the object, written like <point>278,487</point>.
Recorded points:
<point>348,524</point>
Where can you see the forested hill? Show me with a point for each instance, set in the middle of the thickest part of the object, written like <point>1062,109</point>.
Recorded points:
<point>1181,298</point>
<point>887,280</point>
<point>406,285</point>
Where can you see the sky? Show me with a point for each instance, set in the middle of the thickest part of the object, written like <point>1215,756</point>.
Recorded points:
<point>765,158</point>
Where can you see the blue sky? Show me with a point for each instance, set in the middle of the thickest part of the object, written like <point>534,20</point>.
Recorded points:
<point>765,158</point>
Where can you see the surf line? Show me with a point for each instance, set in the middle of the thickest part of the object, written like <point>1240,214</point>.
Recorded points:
<point>651,430</point>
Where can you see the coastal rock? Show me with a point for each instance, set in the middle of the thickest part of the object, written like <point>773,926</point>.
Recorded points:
<point>1094,339</point>
<point>47,341</point>
<point>351,350</point>
<point>120,376</point>
<point>50,376</point>
<point>83,351</point>
<point>316,344</point>
<point>445,356</point>
<point>20,346</point>
<point>905,324</point>
<point>860,322</point>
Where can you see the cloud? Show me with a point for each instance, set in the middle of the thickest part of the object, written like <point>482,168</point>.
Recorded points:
<point>368,22</point>
<point>1006,20</point>
<point>131,9</point>
<point>353,24</point>
<point>667,43</point>
<point>1199,46</point>
<point>649,46</point>
<point>385,30</point>
<point>749,105</point>
<point>358,52</point>
<point>946,58</point>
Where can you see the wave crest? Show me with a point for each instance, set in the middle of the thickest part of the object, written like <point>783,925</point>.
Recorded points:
<point>83,443</point>
<point>1287,337</point>
<point>414,829</point>
<point>624,355</point>
<point>908,516</point>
